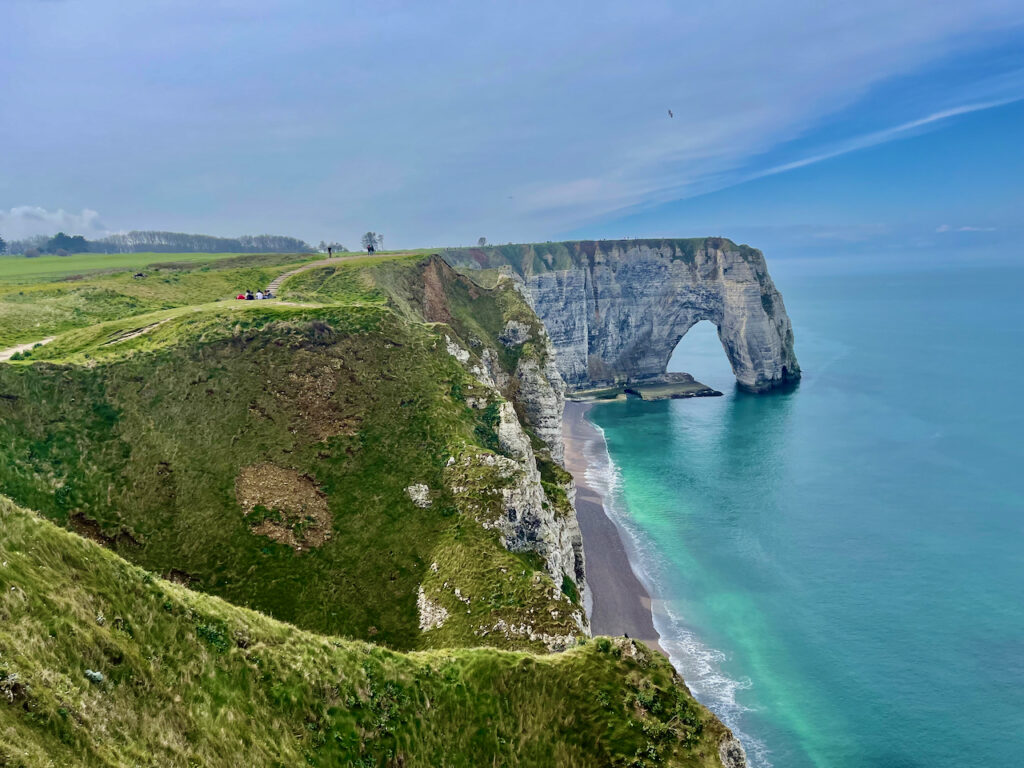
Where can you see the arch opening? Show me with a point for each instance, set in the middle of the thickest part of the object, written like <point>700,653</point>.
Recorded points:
<point>701,354</point>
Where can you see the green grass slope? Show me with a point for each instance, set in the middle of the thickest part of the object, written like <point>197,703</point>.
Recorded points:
<point>103,664</point>
<point>143,433</point>
<point>144,444</point>
<point>428,290</point>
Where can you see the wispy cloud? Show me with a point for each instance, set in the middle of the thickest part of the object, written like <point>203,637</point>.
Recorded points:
<point>876,138</point>
<point>943,228</point>
<point>29,220</point>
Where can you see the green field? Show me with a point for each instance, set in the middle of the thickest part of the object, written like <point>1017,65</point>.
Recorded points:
<point>20,269</point>
<point>35,308</point>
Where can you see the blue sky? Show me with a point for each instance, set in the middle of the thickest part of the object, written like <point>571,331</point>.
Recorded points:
<point>804,128</point>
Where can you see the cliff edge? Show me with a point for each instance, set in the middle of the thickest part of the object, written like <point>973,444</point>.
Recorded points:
<point>616,309</point>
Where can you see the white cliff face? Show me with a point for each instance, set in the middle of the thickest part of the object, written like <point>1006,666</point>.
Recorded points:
<point>540,392</point>
<point>531,522</point>
<point>617,309</point>
<point>526,519</point>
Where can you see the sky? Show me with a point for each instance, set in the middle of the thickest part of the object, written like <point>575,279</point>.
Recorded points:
<point>805,128</point>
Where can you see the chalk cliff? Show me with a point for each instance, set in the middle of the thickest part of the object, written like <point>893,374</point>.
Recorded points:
<point>615,310</point>
<point>498,338</point>
<point>520,508</point>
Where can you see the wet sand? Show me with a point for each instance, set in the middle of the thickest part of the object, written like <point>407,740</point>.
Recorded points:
<point>621,604</point>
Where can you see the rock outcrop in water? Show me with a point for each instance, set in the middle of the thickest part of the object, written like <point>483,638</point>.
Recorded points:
<point>615,310</point>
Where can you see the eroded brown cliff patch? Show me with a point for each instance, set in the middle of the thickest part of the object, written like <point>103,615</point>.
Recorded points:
<point>283,505</point>
<point>320,411</point>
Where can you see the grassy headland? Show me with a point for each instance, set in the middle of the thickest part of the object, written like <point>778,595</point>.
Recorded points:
<point>103,664</point>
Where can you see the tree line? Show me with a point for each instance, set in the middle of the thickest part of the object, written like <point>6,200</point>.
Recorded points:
<point>139,241</point>
<point>147,241</point>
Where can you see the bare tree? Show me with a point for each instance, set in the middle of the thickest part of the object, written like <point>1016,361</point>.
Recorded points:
<point>482,242</point>
<point>370,241</point>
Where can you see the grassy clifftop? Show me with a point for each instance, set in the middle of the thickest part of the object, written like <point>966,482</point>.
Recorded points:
<point>44,302</point>
<point>186,679</point>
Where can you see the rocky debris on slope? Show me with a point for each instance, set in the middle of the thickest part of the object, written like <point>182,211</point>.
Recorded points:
<point>515,334</point>
<point>432,615</point>
<point>731,753</point>
<point>419,494</point>
<point>456,351</point>
<point>553,643</point>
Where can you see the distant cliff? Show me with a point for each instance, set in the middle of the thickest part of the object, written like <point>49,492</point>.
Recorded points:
<point>616,309</point>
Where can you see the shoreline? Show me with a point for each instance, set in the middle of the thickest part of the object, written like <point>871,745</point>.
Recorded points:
<point>619,602</point>
<point>621,605</point>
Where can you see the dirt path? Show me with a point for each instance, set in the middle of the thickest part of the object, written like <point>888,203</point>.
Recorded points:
<point>7,354</point>
<point>276,282</point>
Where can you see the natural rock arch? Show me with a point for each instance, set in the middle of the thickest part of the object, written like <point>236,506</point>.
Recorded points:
<point>615,310</point>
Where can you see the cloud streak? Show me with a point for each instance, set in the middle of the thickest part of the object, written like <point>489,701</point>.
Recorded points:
<point>944,228</point>
<point>876,138</point>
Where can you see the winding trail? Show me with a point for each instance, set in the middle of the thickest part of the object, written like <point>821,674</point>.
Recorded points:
<point>7,354</point>
<point>275,284</point>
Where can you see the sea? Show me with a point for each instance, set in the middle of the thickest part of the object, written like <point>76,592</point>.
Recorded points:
<point>838,569</point>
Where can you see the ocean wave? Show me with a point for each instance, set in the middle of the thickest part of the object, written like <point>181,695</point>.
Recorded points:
<point>699,664</point>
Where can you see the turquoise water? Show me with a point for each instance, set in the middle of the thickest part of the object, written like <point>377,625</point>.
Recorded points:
<point>842,566</point>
